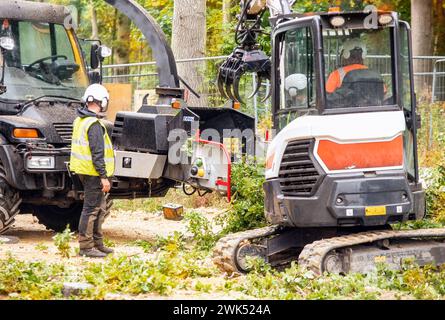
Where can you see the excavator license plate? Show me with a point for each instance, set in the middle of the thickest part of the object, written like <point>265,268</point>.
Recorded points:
<point>375,211</point>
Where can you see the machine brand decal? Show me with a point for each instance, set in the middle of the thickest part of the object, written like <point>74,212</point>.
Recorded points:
<point>188,119</point>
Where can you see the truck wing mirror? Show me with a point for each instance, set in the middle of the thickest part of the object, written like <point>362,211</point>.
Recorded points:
<point>94,57</point>
<point>98,54</point>
<point>6,44</point>
<point>104,52</point>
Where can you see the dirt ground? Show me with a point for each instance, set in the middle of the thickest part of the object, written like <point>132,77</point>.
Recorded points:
<point>122,228</point>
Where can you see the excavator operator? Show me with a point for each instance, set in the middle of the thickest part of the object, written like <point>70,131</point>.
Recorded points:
<point>353,84</point>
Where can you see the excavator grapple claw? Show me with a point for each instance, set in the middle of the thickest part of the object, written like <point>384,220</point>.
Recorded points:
<point>240,62</point>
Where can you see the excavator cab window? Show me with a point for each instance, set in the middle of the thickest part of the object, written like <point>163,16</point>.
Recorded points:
<point>297,74</point>
<point>408,103</point>
<point>297,70</point>
<point>358,67</point>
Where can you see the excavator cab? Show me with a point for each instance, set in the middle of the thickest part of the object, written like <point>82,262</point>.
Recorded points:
<point>336,63</point>
<point>344,108</point>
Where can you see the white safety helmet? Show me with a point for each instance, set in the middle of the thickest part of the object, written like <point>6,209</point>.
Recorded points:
<point>352,44</point>
<point>98,93</point>
<point>294,83</point>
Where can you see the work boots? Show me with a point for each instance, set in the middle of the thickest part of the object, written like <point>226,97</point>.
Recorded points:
<point>92,253</point>
<point>105,250</point>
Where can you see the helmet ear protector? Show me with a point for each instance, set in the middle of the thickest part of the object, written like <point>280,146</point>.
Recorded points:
<point>102,103</point>
<point>346,52</point>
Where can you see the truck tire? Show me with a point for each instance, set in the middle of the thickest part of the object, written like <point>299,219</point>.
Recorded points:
<point>9,202</point>
<point>56,218</point>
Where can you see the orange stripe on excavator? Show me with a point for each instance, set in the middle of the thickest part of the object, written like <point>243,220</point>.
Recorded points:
<point>365,155</point>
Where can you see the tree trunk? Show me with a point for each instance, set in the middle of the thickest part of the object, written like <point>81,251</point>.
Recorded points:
<point>439,25</point>
<point>226,5</point>
<point>94,27</point>
<point>122,45</point>
<point>422,37</point>
<point>189,41</point>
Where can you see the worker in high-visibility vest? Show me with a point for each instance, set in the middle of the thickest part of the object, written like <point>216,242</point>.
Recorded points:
<point>92,159</point>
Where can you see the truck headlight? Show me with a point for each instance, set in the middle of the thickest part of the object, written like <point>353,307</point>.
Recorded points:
<point>41,162</point>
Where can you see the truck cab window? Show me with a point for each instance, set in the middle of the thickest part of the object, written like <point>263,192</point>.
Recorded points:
<point>42,62</point>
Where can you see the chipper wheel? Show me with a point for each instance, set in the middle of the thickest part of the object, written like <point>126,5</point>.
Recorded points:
<point>56,218</point>
<point>9,202</point>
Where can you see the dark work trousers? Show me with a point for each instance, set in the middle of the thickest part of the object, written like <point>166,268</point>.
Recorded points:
<point>93,213</point>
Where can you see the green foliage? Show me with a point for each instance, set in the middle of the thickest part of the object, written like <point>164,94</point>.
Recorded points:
<point>435,193</point>
<point>201,228</point>
<point>298,283</point>
<point>431,141</point>
<point>147,246</point>
<point>174,270</point>
<point>427,223</point>
<point>30,280</point>
<point>173,242</point>
<point>247,210</point>
<point>170,270</point>
<point>202,287</point>
<point>62,242</point>
<point>109,243</point>
<point>431,135</point>
<point>41,247</point>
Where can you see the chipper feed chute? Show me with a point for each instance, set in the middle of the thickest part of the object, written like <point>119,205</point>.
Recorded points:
<point>192,146</point>
<point>160,146</point>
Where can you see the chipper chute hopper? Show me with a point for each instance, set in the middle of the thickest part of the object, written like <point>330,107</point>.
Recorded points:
<point>162,146</point>
<point>172,143</point>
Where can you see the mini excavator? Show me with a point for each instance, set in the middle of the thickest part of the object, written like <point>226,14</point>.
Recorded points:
<point>342,166</point>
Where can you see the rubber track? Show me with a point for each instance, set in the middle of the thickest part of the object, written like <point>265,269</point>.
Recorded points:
<point>313,254</point>
<point>225,249</point>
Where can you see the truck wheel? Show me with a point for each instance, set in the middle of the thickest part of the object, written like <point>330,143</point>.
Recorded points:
<point>56,218</point>
<point>9,202</point>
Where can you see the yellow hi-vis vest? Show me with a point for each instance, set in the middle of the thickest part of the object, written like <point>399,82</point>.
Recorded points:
<point>81,161</point>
